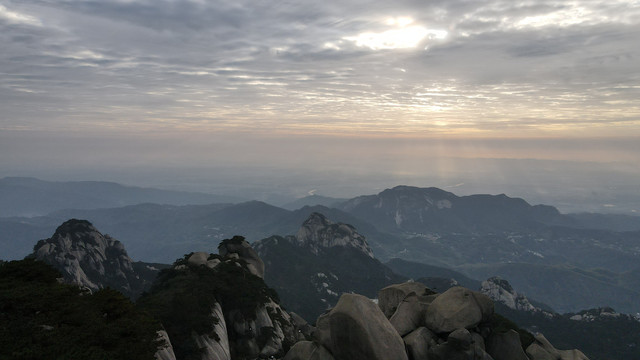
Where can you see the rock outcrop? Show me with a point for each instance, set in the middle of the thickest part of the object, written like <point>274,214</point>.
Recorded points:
<point>215,345</point>
<point>602,314</point>
<point>356,329</point>
<point>237,245</point>
<point>499,290</point>
<point>90,259</point>
<point>541,349</point>
<point>506,346</point>
<point>166,351</point>
<point>325,260</point>
<point>319,232</point>
<point>244,320</point>
<point>391,296</point>
<point>458,308</point>
<point>458,324</point>
<point>410,313</point>
<point>418,343</point>
<point>308,350</point>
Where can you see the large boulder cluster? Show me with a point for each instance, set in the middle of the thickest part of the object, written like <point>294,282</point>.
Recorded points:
<point>411,322</point>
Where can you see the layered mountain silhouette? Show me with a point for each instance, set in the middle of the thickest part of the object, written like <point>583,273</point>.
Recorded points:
<point>475,235</point>
<point>25,196</point>
<point>410,209</point>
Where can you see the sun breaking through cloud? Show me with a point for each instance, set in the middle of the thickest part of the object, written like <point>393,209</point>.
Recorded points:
<point>403,35</point>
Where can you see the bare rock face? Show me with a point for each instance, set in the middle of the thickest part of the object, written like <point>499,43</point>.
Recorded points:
<point>165,352</point>
<point>410,314</point>
<point>215,346</point>
<point>238,245</point>
<point>304,329</point>
<point>506,346</point>
<point>418,342</point>
<point>460,339</point>
<point>308,350</point>
<point>319,232</point>
<point>391,296</point>
<point>458,308</point>
<point>499,290</point>
<point>87,258</point>
<point>541,349</point>
<point>356,329</point>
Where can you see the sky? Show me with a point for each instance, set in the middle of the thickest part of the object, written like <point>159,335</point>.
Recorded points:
<point>424,92</point>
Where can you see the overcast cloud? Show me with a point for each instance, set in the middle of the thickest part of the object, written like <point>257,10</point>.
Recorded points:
<point>461,67</point>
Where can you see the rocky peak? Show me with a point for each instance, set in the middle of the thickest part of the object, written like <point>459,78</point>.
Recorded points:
<point>319,232</point>
<point>88,258</point>
<point>499,290</point>
<point>74,227</point>
<point>233,315</point>
<point>238,245</point>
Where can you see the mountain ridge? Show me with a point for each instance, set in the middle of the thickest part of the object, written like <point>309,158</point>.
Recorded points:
<point>26,196</point>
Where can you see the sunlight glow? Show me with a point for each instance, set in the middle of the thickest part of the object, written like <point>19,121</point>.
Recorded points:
<point>402,36</point>
<point>399,21</point>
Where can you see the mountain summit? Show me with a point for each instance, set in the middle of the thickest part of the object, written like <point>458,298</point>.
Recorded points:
<point>90,259</point>
<point>324,260</point>
<point>420,210</point>
<point>319,232</point>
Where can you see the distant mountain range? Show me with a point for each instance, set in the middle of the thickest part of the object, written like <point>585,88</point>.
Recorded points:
<point>24,196</point>
<point>538,249</point>
<point>313,200</point>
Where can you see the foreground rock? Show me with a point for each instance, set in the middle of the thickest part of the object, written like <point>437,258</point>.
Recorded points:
<point>458,308</point>
<point>356,329</point>
<point>308,350</point>
<point>506,346</point>
<point>410,314</point>
<point>541,349</point>
<point>418,343</point>
<point>391,296</point>
<point>458,324</point>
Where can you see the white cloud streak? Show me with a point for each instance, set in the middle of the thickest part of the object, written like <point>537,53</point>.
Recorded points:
<point>14,17</point>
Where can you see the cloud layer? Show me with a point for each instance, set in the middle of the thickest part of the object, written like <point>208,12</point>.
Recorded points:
<point>489,68</point>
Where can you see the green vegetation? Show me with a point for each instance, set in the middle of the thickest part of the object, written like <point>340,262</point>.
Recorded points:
<point>183,299</point>
<point>43,319</point>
